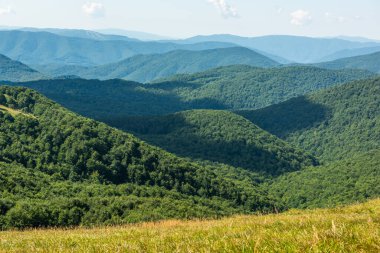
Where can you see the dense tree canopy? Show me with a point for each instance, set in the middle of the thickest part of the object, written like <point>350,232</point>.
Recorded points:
<point>332,124</point>
<point>219,136</point>
<point>39,136</point>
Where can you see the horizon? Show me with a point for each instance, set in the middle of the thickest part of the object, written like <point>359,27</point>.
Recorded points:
<point>102,31</point>
<point>178,19</point>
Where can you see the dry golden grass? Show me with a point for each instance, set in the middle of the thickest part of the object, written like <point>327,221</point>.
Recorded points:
<point>14,112</point>
<point>350,229</point>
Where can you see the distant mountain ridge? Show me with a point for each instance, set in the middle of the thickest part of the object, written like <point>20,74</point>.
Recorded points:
<point>293,48</point>
<point>39,48</point>
<point>145,68</point>
<point>370,62</point>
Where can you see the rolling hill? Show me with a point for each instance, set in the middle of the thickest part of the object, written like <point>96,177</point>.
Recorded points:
<point>145,68</point>
<point>293,48</point>
<point>332,124</point>
<point>234,87</point>
<point>218,136</point>
<point>351,180</point>
<point>370,62</point>
<point>238,87</point>
<point>60,169</point>
<point>42,48</point>
<point>15,71</point>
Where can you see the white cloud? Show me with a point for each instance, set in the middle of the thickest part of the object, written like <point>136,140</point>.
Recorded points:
<point>300,17</point>
<point>93,9</point>
<point>225,9</point>
<point>6,11</point>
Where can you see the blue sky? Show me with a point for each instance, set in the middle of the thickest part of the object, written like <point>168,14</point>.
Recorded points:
<point>185,18</point>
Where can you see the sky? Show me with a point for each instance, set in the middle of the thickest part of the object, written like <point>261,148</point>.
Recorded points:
<point>186,18</point>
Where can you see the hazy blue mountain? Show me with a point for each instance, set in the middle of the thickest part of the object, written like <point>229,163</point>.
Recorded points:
<point>79,33</point>
<point>16,71</point>
<point>293,48</point>
<point>350,53</point>
<point>145,68</point>
<point>370,62</point>
<point>46,48</point>
<point>133,34</point>
<point>356,38</point>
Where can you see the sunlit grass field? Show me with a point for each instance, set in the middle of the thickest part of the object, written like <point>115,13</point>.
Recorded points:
<point>354,228</point>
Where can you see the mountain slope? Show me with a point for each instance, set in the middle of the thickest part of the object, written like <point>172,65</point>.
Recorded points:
<point>16,71</point>
<point>348,181</point>
<point>218,136</point>
<point>144,68</point>
<point>238,87</point>
<point>234,87</point>
<point>41,48</point>
<point>54,150</point>
<point>288,47</point>
<point>332,124</point>
<point>370,62</point>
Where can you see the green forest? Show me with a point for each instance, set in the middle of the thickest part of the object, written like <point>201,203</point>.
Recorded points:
<point>49,155</point>
<point>231,140</point>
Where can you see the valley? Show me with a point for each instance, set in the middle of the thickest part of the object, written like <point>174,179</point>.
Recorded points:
<point>209,143</point>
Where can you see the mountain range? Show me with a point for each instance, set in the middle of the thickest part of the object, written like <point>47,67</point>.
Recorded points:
<point>206,127</point>
<point>145,68</point>
<point>292,48</point>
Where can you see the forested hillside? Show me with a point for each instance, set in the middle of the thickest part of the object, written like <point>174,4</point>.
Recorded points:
<point>238,87</point>
<point>219,136</point>
<point>145,68</point>
<point>60,169</point>
<point>332,124</point>
<point>370,62</point>
<point>233,87</point>
<point>16,71</point>
<point>354,179</point>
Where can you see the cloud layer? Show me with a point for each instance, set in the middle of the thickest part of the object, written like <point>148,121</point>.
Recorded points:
<point>225,9</point>
<point>93,9</point>
<point>300,17</point>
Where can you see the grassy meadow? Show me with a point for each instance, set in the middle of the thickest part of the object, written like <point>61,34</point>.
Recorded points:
<point>353,228</point>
